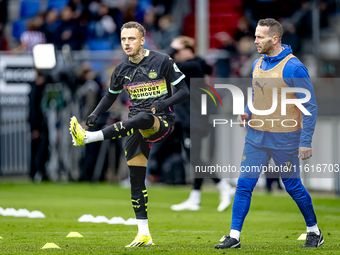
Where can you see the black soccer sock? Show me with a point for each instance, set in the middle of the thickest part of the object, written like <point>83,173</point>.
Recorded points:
<point>120,129</point>
<point>216,180</point>
<point>139,195</point>
<point>198,183</point>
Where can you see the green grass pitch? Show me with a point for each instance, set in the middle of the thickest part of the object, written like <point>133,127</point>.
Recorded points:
<point>272,226</point>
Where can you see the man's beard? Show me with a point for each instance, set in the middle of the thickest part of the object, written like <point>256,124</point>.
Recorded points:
<point>266,48</point>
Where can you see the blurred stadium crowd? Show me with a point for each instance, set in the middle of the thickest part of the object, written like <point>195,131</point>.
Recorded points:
<point>91,27</point>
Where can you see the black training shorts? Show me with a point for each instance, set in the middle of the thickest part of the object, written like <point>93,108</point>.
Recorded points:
<point>136,143</point>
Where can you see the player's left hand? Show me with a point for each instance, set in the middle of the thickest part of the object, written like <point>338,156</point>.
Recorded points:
<point>305,152</point>
<point>153,110</point>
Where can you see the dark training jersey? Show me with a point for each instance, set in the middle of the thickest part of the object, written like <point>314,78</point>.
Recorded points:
<point>146,82</point>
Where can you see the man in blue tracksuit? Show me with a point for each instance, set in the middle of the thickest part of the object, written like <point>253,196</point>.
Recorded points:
<point>285,138</point>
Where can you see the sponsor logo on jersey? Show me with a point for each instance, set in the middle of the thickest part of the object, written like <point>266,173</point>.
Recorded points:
<point>145,90</point>
<point>176,68</point>
<point>152,75</point>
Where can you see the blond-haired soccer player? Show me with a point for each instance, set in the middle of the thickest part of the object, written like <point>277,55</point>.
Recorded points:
<point>147,76</point>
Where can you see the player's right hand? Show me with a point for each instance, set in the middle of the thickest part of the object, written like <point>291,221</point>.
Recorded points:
<point>242,118</point>
<point>91,120</point>
<point>157,107</point>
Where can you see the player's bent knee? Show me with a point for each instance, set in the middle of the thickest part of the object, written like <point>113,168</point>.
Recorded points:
<point>138,160</point>
<point>153,130</point>
<point>156,123</point>
<point>143,116</point>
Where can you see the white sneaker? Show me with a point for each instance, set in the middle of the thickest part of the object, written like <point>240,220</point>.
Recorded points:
<point>225,199</point>
<point>186,205</point>
<point>223,185</point>
<point>192,203</point>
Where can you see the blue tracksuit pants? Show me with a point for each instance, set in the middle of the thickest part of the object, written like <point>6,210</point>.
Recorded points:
<point>254,157</point>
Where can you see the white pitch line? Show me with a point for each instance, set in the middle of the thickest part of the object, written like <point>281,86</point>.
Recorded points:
<point>326,208</point>
<point>87,232</point>
<point>191,231</point>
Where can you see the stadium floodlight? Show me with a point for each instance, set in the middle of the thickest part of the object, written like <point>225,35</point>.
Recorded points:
<point>44,56</point>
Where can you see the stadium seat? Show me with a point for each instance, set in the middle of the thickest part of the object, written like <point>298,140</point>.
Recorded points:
<point>99,44</point>
<point>29,8</point>
<point>58,4</point>
<point>97,65</point>
<point>19,27</point>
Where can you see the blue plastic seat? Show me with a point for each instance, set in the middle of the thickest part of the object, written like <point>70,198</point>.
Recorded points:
<point>97,65</point>
<point>29,8</point>
<point>99,44</point>
<point>57,4</point>
<point>18,28</point>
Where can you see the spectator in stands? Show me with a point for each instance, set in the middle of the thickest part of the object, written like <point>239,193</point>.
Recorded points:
<point>226,53</point>
<point>3,21</point>
<point>242,64</point>
<point>162,6</point>
<point>116,155</point>
<point>117,15</point>
<point>39,130</point>
<point>38,21</point>
<point>3,12</point>
<point>243,29</point>
<point>271,178</point>
<point>150,21</point>
<point>133,12</point>
<point>93,8</point>
<point>186,112</point>
<point>290,37</point>
<point>115,8</point>
<point>69,31</point>
<point>103,27</point>
<point>301,19</point>
<point>87,97</point>
<point>31,37</point>
<point>179,10</point>
<point>167,32</point>
<point>295,16</point>
<point>51,26</point>
<point>151,29</point>
<point>78,9</point>
<point>87,88</point>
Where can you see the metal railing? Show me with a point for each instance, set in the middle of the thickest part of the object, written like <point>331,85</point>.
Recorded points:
<point>14,131</point>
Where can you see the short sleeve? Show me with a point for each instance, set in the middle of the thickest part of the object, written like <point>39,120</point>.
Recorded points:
<point>172,72</point>
<point>23,38</point>
<point>115,86</point>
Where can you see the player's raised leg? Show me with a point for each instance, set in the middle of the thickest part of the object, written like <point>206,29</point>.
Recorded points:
<point>142,121</point>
